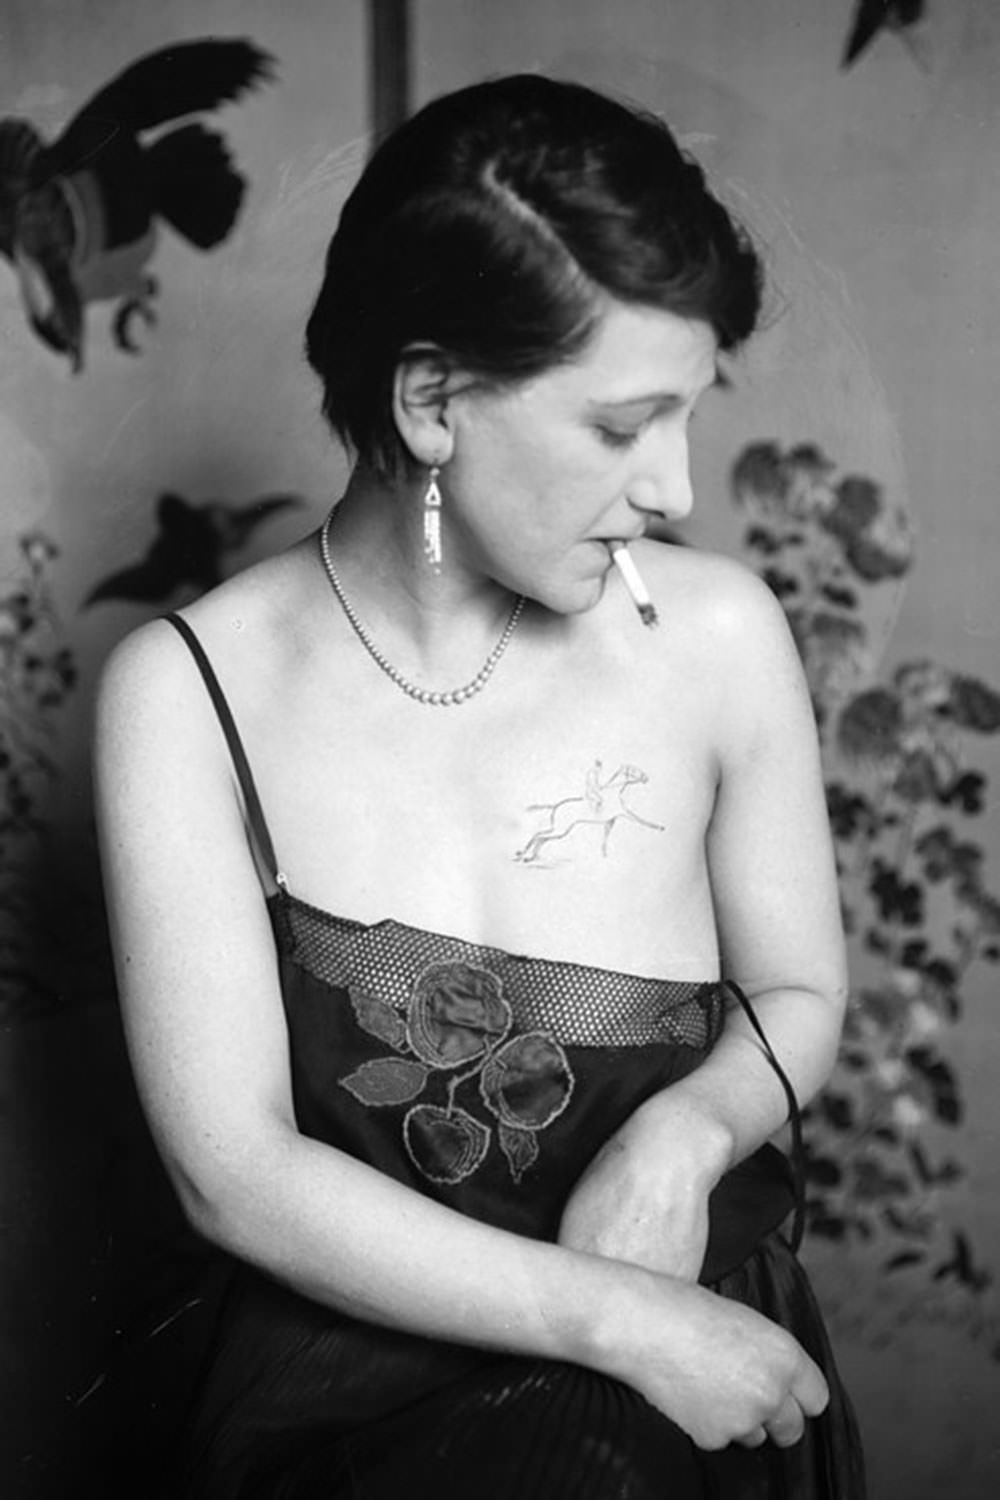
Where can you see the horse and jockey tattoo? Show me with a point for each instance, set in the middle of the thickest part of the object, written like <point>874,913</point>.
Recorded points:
<point>602,805</point>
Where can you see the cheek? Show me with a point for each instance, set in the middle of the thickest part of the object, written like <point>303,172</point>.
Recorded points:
<point>531,478</point>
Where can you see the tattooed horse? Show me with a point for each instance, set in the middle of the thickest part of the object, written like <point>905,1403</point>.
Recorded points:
<point>602,805</point>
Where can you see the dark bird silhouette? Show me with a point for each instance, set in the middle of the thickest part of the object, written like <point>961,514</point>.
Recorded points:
<point>873,16</point>
<point>191,546</point>
<point>961,1267</point>
<point>79,216</point>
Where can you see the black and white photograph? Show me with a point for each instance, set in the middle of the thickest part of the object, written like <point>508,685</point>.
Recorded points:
<point>499,750</point>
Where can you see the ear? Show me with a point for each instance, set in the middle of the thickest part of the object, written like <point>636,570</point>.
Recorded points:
<point>423,384</point>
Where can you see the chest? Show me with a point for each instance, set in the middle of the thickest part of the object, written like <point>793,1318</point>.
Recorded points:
<point>564,821</point>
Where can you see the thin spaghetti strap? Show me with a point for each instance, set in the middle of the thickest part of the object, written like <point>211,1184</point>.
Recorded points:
<point>255,813</point>
<point>794,1118</point>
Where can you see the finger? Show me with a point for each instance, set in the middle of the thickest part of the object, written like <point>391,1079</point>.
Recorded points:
<point>811,1391</point>
<point>755,1438</point>
<point>786,1427</point>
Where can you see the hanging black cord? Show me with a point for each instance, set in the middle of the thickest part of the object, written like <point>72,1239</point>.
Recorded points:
<point>794,1118</point>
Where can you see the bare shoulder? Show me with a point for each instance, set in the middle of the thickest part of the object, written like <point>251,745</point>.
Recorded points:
<point>145,672</point>
<point>718,601</point>
<point>166,789</point>
<point>149,676</point>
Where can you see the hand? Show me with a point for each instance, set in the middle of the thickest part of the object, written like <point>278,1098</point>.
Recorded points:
<point>721,1371</point>
<point>644,1197</point>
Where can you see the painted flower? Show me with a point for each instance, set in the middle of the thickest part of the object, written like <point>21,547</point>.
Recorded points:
<point>974,705</point>
<point>758,479</point>
<point>907,983</point>
<point>792,486</point>
<point>38,549</point>
<point>870,727</point>
<point>875,537</point>
<point>908,1114</point>
<point>890,1072</point>
<point>10,626</point>
<point>923,687</point>
<point>923,1022</point>
<point>833,648</point>
<point>885,550</point>
<point>856,505</point>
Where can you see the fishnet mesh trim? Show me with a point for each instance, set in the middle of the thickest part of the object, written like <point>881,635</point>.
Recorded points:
<point>580,1005</point>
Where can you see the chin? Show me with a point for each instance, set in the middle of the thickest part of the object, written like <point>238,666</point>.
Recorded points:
<point>578,599</point>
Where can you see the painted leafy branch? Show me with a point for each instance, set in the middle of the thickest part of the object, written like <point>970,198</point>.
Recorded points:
<point>37,674</point>
<point>903,792</point>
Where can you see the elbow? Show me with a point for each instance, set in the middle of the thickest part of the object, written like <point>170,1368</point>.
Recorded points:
<point>226,1202</point>
<point>839,994</point>
<point>830,996</point>
<point>836,995</point>
<point>833,998</point>
<point>828,986</point>
<point>204,1205</point>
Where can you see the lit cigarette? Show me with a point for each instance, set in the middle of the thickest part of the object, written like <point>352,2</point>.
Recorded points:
<point>632,580</point>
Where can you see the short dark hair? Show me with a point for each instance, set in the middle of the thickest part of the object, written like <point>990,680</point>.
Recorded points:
<point>490,224</point>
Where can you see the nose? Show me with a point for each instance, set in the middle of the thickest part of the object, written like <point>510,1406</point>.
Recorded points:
<point>665,490</point>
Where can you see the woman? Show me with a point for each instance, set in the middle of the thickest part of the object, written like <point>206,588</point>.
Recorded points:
<point>426,912</point>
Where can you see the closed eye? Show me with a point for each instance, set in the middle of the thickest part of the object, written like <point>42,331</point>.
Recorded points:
<point>626,437</point>
<point>616,437</point>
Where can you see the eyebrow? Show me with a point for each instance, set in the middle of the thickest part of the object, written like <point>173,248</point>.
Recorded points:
<point>665,400</point>
<point>661,399</point>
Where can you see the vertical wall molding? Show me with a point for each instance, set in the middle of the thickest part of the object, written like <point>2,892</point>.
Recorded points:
<point>389,64</point>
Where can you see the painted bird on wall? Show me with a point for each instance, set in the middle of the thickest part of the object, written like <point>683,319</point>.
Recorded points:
<point>190,549</point>
<point>79,216</point>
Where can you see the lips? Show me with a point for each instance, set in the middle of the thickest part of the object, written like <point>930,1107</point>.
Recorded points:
<point>611,542</point>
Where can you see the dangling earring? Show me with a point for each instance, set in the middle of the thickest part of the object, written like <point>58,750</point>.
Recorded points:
<point>432,520</point>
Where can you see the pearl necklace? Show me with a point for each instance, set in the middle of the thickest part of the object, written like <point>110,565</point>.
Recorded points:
<point>422,695</point>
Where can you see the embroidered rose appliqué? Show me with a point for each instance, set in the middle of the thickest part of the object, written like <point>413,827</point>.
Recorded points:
<point>459,1022</point>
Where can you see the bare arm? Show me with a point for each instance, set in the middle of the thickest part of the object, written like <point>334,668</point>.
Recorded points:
<point>774,889</point>
<point>774,885</point>
<point>206,1034</point>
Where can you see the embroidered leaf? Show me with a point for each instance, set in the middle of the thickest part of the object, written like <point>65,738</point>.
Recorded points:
<point>528,1081</point>
<point>520,1148</point>
<point>387,1080</point>
<point>378,1018</point>
<point>445,1145</point>
<point>457,1011</point>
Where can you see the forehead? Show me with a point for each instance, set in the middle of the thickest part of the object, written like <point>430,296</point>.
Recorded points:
<point>638,350</point>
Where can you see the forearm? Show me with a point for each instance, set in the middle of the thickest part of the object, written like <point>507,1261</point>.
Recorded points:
<point>351,1238</point>
<point>736,1092</point>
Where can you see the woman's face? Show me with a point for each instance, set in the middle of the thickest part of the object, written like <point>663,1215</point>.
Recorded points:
<point>544,475</point>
